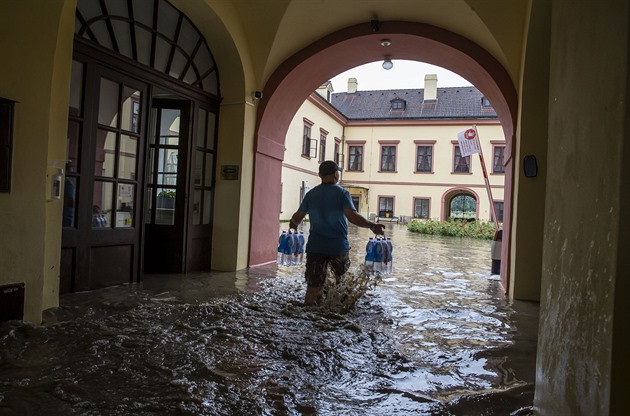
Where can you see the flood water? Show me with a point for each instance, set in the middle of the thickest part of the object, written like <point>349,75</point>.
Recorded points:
<point>436,337</point>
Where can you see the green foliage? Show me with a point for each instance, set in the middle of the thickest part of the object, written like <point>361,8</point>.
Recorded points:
<point>455,228</point>
<point>167,194</point>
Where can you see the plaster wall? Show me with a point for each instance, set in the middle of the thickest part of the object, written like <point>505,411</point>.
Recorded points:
<point>404,184</point>
<point>232,205</point>
<point>297,168</point>
<point>531,139</point>
<point>587,130</point>
<point>35,72</point>
<point>225,33</point>
<point>404,138</point>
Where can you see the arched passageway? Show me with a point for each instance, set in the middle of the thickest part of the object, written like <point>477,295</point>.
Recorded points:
<point>302,73</point>
<point>460,203</point>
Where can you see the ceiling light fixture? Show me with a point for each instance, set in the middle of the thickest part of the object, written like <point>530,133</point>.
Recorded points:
<point>386,42</point>
<point>387,63</point>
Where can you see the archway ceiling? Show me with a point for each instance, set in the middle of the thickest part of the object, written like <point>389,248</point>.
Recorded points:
<point>276,29</point>
<point>298,76</point>
<point>259,35</point>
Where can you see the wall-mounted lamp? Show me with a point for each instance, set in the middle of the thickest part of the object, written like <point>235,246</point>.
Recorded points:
<point>387,63</point>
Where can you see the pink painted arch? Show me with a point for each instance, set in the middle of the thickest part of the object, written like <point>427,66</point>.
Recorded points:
<point>302,73</point>
<point>448,196</point>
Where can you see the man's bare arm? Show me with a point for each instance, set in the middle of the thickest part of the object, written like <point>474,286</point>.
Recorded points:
<point>360,221</point>
<point>296,219</point>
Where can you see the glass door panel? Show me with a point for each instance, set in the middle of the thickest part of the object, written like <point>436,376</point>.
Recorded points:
<point>199,241</point>
<point>124,207</point>
<point>108,103</point>
<point>105,153</point>
<point>127,157</point>
<point>102,204</point>
<point>207,211</point>
<point>130,109</point>
<point>165,195</point>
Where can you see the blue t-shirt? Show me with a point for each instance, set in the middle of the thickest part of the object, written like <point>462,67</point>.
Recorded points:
<point>329,228</point>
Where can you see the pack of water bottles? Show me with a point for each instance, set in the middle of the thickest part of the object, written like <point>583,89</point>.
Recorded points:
<point>291,248</point>
<point>378,255</point>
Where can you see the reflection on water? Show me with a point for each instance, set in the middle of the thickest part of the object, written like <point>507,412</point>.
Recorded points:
<point>436,337</point>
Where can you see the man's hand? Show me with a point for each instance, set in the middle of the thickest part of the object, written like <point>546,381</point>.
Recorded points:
<point>378,229</point>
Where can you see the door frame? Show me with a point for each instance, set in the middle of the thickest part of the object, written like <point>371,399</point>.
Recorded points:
<point>89,53</point>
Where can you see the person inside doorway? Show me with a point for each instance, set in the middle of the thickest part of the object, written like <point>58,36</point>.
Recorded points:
<point>328,206</point>
<point>98,219</point>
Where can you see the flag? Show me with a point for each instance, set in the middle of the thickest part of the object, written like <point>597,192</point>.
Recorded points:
<point>468,142</point>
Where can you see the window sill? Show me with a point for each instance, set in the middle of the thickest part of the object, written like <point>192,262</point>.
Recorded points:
<point>424,173</point>
<point>387,171</point>
<point>461,173</point>
<point>306,157</point>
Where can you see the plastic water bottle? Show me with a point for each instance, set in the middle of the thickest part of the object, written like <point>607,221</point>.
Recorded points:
<point>288,249</point>
<point>369,255</point>
<point>379,255</point>
<point>281,244</point>
<point>390,256</point>
<point>302,242</point>
<point>295,250</point>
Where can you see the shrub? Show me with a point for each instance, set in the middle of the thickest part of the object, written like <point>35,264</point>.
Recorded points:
<point>455,228</point>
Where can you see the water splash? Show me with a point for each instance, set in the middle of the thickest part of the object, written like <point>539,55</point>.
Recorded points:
<point>341,293</point>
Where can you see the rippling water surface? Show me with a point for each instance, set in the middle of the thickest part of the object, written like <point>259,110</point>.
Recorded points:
<point>436,337</point>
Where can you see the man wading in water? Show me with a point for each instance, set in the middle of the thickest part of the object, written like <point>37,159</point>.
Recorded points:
<point>328,205</point>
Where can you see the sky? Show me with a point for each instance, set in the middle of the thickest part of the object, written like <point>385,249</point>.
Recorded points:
<point>404,74</point>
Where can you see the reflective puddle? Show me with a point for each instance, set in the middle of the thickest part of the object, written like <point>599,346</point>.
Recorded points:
<point>436,337</point>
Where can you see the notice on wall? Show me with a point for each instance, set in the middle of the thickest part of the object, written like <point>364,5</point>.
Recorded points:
<point>229,172</point>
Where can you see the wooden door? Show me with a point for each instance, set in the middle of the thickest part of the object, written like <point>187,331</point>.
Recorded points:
<point>199,241</point>
<point>101,233</point>
<point>166,189</point>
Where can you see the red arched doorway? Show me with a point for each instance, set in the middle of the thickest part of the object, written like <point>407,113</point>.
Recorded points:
<point>451,195</point>
<point>303,72</point>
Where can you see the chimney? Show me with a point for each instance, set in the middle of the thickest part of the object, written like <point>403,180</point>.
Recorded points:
<point>352,85</point>
<point>430,87</point>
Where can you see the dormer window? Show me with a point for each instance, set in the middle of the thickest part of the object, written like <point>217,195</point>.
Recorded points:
<point>485,102</point>
<point>398,104</point>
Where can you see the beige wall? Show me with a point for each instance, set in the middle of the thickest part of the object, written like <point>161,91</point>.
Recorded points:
<point>588,130</point>
<point>404,185</point>
<point>531,139</point>
<point>295,167</point>
<point>223,30</point>
<point>29,220</point>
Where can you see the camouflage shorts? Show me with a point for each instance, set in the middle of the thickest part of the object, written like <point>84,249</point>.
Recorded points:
<point>317,265</point>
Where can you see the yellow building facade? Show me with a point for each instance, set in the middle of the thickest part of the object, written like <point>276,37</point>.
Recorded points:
<point>411,188</point>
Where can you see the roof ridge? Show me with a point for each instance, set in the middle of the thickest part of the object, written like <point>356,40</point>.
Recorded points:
<point>404,89</point>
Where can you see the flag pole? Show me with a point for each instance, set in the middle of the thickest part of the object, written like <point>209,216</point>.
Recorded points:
<point>485,177</point>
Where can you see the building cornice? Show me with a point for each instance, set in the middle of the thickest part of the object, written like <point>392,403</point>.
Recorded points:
<point>319,102</point>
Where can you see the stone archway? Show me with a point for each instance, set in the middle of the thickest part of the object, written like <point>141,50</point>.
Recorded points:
<point>450,195</point>
<point>303,72</point>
